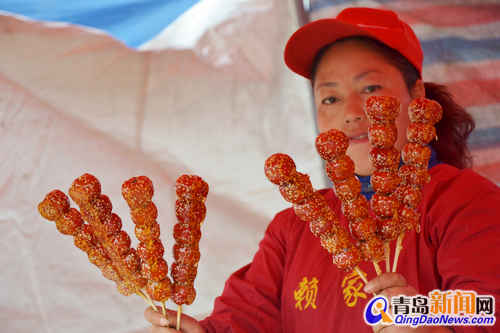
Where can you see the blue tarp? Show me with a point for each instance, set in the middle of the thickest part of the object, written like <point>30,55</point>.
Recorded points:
<point>131,21</point>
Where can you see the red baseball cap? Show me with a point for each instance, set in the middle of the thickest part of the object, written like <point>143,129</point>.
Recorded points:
<point>382,25</point>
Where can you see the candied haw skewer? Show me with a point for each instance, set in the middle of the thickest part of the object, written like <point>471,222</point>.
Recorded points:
<point>332,146</point>
<point>190,211</point>
<point>56,207</point>
<point>96,209</point>
<point>138,193</point>
<point>384,157</point>
<point>310,206</point>
<point>424,114</point>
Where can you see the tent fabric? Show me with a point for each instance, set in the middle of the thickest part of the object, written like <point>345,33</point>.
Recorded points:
<point>212,99</point>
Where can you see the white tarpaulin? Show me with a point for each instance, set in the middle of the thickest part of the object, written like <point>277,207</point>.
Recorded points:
<point>215,102</point>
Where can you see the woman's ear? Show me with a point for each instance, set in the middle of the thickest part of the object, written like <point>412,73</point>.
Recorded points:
<point>418,89</point>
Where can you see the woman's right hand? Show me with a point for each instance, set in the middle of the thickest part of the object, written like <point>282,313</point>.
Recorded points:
<point>162,324</point>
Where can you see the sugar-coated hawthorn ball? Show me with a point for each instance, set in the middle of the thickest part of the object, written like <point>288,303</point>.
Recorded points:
<point>138,192</point>
<point>383,205</point>
<point>413,175</point>
<point>146,232</point>
<point>279,168</point>
<point>183,294</point>
<point>312,209</point>
<point>183,274</point>
<point>410,218</point>
<point>85,239</point>
<point>123,289</point>
<point>155,271</point>
<point>160,291</point>
<point>348,259</point>
<point>382,108</point>
<point>324,227</point>
<point>382,135</point>
<point>132,261</point>
<point>121,242</point>
<point>385,181</point>
<point>112,226</point>
<point>331,144</point>
<point>425,110</point>
<point>363,229</point>
<point>110,273</point>
<point>416,154</point>
<point>356,209</point>
<point>340,169</point>
<point>421,133</point>
<point>297,190</point>
<point>55,204</point>
<point>372,249</point>
<point>190,214</point>
<point>186,256</point>
<point>85,188</point>
<point>408,195</point>
<point>384,158</point>
<point>190,187</point>
<point>69,223</point>
<point>103,206</point>
<point>338,242</point>
<point>144,216</point>
<point>388,228</point>
<point>348,189</point>
<point>150,251</point>
<point>186,236</point>
<point>98,256</point>
<point>139,279</point>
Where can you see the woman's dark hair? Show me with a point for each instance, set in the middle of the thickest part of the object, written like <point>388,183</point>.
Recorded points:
<point>455,126</point>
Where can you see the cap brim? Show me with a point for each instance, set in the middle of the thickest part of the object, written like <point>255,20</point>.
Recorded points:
<point>305,43</point>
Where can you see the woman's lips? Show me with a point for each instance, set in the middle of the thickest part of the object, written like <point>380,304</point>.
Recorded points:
<point>358,137</point>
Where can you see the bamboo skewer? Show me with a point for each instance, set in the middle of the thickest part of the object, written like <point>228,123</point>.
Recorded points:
<point>387,257</point>
<point>147,299</point>
<point>399,247</point>
<point>179,311</point>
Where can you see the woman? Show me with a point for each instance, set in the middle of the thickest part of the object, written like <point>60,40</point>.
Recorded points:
<point>292,285</point>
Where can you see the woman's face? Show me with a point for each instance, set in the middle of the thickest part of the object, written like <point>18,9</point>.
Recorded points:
<point>347,75</point>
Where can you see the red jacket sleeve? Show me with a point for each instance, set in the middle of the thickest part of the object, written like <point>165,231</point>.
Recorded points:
<point>252,295</point>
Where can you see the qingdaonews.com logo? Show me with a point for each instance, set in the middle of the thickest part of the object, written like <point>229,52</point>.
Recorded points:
<point>440,308</point>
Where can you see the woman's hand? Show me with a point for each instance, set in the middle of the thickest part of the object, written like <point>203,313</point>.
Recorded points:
<point>392,285</point>
<point>162,324</point>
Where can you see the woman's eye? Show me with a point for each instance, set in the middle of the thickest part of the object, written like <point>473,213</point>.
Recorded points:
<point>371,89</point>
<point>329,100</point>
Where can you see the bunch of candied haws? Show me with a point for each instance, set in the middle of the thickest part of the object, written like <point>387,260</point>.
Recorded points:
<point>424,114</point>
<point>385,158</point>
<point>310,206</point>
<point>332,147</point>
<point>143,272</point>
<point>190,211</point>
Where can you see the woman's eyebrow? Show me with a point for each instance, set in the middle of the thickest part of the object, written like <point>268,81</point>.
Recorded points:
<point>365,73</point>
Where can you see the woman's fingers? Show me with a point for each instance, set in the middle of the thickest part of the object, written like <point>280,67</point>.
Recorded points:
<point>158,319</point>
<point>385,281</point>
<point>168,323</point>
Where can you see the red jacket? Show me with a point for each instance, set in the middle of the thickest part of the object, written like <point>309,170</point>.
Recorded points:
<point>293,286</point>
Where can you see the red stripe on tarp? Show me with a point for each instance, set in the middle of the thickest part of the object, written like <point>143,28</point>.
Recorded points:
<point>455,72</point>
<point>476,92</point>
<point>487,163</point>
<point>490,171</point>
<point>452,16</point>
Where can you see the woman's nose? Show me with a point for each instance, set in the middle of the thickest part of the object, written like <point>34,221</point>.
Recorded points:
<point>354,111</point>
